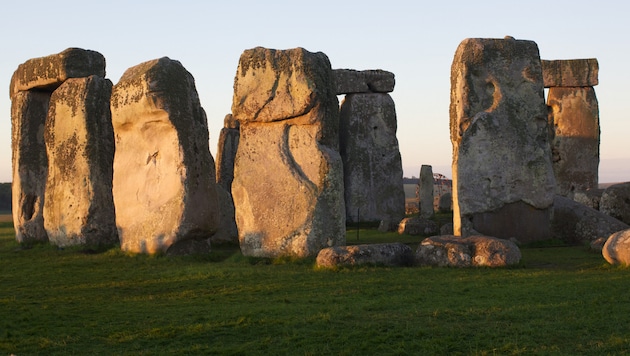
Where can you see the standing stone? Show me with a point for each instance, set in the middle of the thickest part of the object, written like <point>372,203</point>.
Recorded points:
<point>288,175</point>
<point>503,182</point>
<point>78,206</point>
<point>164,175</point>
<point>574,123</point>
<point>371,158</point>
<point>226,152</point>
<point>30,164</point>
<point>425,189</point>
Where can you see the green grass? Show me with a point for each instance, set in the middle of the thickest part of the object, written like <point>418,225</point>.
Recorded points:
<point>558,301</point>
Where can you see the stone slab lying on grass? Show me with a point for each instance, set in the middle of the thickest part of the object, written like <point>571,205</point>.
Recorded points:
<point>577,223</point>
<point>476,250</point>
<point>388,254</point>
<point>617,248</point>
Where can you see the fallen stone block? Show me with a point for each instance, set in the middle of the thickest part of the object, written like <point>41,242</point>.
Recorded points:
<point>386,254</point>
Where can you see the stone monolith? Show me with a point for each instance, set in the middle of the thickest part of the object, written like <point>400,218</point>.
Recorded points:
<point>574,123</point>
<point>425,191</point>
<point>503,181</point>
<point>78,204</point>
<point>164,175</point>
<point>226,152</point>
<point>372,164</point>
<point>30,164</point>
<point>288,176</point>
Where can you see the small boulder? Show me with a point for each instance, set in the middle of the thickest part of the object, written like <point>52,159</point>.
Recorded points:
<point>387,254</point>
<point>617,248</point>
<point>598,244</point>
<point>445,203</point>
<point>418,226</point>
<point>477,250</point>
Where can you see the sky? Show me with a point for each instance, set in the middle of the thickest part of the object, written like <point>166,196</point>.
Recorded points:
<point>416,40</point>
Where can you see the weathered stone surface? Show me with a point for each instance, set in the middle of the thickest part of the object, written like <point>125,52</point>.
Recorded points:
<point>78,204</point>
<point>590,197</point>
<point>30,164</point>
<point>617,248</point>
<point>446,229</point>
<point>386,254</point>
<point>226,152</point>
<point>503,182</point>
<point>574,122</point>
<point>445,204</point>
<point>288,175</point>
<point>418,226</point>
<point>570,73</point>
<point>164,175</point>
<point>371,158</point>
<point>576,223</point>
<point>47,73</point>
<point>475,250</point>
<point>350,81</point>
<point>388,225</point>
<point>615,202</point>
<point>598,244</point>
<point>228,232</point>
<point>425,190</point>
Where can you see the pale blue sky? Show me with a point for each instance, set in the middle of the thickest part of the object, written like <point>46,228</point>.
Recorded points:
<point>413,39</point>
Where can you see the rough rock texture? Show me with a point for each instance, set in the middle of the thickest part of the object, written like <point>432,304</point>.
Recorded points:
<point>577,224</point>
<point>288,175</point>
<point>597,245</point>
<point>226,152</point>
<point>47,73</point>
<point>78,204</point>
<point>570,73</point>
<point>386,254</point>
<point>425,190</point>
<point>503,181</point>
<point>615,202</point>
<point>30,164</point>
<point>164,175</point>
<point>418,226</point>
<point>371,158</point>
<point>351,81</point>
<point>617,248</point>
<point>228,232</point>
<point>476,250</point>
<point>590,197</point>
<point>574,123</point>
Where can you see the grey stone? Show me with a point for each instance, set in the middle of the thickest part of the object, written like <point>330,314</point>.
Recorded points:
<point>228,231</point>
<point>371,158</point>
<point>570,73</point>
<point>30,164</point>
<point>351,81</point>
<point>418,226</point>
<point>578,224</point>
<point>164,175</point>
<point>445,204</point>
<point>470,251</point>
<point>386,254</point>
<point>47,73</point>
<point>78,204</point>
<point>590,197</point>
<point>615,202</point>
<point>226,152</point>
<point>575,133</point>
<point>288,174</point>
<point>503,181</point>
<point>425,190</point>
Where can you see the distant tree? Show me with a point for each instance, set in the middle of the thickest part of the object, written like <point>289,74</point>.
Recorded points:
<point>5,197</point>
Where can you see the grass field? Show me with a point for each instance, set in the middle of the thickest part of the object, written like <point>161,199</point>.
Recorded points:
<point>558,301</point>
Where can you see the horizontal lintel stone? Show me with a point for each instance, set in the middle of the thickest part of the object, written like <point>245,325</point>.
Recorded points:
<point>570,73</point>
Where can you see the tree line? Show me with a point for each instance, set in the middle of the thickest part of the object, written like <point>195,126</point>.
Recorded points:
<point>5,197</point>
